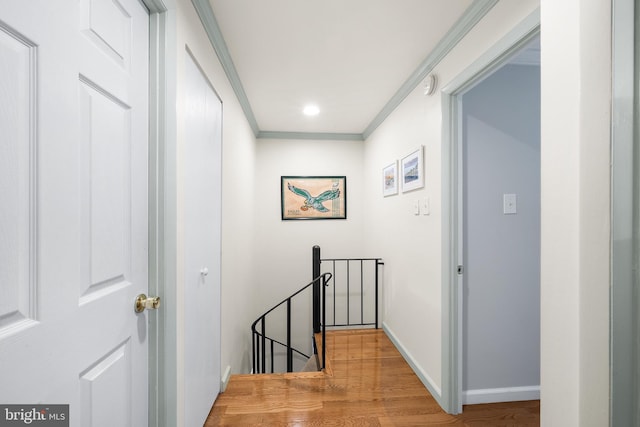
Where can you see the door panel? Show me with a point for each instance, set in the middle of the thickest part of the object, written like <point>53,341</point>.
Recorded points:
<point>105,194</point>
<point>203,142</point>
<point>17,179</point>
<point>100,406</point>
<point>75,256</point>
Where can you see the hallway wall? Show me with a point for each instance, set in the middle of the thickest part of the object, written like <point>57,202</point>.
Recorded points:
<point>575,220</point>
<point>576,123</point>
<point>283,248</point>
<point>265,259</point>
<point>412,244</point>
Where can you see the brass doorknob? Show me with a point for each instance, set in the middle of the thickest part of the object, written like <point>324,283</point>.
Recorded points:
<point>143,302</point>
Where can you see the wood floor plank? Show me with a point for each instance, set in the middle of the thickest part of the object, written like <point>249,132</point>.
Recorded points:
<point>367,383</point>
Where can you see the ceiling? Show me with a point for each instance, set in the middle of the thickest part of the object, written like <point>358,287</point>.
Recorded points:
<point>355,59</point>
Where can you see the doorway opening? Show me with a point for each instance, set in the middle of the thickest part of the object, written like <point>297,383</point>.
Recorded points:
<point>523,38</point>
<point>499,226</point>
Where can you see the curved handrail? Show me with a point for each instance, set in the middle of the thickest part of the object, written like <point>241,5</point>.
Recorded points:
<point>326,276</point>
<point>261,335</point>
<point>282,344</point>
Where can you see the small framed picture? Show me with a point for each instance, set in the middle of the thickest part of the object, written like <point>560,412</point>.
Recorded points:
<point>390,179</point>
<point>313,197</point>
<point>412,171</point>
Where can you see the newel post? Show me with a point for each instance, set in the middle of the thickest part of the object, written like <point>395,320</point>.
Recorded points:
<point>316,289</point>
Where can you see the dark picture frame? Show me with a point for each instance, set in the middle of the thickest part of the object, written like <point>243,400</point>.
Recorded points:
<point>313,197</point>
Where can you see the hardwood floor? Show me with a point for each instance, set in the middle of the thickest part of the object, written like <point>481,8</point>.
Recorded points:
<point>367,383</point>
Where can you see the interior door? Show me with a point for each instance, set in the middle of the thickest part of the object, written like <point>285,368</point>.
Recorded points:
<point>73,216</point>
<point>203,163</point>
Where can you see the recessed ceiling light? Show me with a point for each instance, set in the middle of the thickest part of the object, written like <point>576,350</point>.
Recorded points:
<point>311,110</point>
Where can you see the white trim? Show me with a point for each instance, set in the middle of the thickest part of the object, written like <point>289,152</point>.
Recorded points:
<point>224,381</point>
<point>506,394</point>
<point>211,27</point>
<point>450,383</point>
<point>156,373</point>
<point>496,55</point>
<point>428,382</point>
<point>471,16</point>
<point>158,6</point>
<point>451,344</point>
<point>623,361</point>
<point>163,377</point>
<point>319,136</point>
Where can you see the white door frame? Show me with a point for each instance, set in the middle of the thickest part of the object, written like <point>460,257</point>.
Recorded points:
<point>163,379</point>
<point>623,408</point>
<point>452,202</point>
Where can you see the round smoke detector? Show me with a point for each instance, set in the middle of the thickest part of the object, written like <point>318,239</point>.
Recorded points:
<point>430,84</point>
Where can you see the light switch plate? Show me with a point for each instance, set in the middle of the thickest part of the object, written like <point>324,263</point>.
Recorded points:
<point>510,204</point>
<point>416,207</point>
<point>425,206</point>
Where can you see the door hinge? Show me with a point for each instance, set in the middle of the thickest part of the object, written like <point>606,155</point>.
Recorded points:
<point>460,269</point>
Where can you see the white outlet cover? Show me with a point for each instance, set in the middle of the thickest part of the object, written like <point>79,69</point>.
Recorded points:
<point>510,204</point>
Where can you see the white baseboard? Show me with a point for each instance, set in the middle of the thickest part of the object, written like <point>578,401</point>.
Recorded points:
<point>469,397</point>
<point>225,379</point>
<point>433,388</point>
<point>495,395</point>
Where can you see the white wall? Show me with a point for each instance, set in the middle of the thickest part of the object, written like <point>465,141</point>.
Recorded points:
<point>576,96</point>
<point>283,248</point>
<point>411,245</point>
<point>575,209</point>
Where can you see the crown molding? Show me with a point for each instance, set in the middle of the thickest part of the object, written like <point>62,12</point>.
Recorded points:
<point>471,16</point>
<point>211,27</point>
<point>324,136</point>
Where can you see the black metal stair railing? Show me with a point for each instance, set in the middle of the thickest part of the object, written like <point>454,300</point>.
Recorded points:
<point>353,291</point>
<point>353,302</point>
<point>264,345</point>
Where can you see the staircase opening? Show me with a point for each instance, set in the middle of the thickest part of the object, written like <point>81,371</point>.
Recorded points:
<point>343,294</point>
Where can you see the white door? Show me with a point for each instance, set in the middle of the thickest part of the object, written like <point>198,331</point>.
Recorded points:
<point>203,162</point>
<point>73,207</point>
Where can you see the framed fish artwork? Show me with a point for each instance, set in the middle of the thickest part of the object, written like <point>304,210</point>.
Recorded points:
<point>313,197</point>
